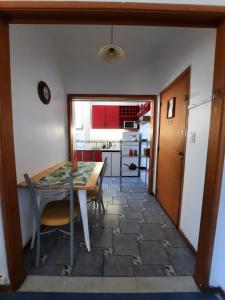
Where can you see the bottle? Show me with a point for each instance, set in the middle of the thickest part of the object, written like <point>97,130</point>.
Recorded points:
<point>130,152</point>
<point>74,162</point>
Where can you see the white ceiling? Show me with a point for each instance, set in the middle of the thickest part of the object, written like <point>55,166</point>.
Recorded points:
<point>76,47</point>
<point>85,40</point>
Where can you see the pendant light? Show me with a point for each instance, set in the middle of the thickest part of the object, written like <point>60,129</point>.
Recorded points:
<point>111,52</point>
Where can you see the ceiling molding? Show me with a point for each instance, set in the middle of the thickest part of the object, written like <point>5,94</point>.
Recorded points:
<point>79,12</point>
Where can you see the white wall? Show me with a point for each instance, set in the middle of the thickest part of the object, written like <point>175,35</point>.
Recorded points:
<point>217,276</point>
<point>39,130</point>
<point>3,264</point>
<point>196,50</point>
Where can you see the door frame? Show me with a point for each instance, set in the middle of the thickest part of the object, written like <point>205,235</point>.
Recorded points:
<point>59,12</point>
<point>188,72</point>
<point>115,97</point>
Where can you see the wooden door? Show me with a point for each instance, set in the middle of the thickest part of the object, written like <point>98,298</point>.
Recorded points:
<point>112,116</point>
<point>98,116</point>
<point>172,139</point>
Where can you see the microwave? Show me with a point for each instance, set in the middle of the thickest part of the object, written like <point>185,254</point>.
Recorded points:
<point>130,124</point>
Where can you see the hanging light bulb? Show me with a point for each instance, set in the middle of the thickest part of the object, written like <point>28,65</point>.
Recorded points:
<point>111,52</point>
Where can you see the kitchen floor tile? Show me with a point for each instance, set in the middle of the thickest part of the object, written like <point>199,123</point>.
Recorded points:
<point>119,200</point>
<point>47,270</point>
<point>129,226</point>
<point>135,203</point>
<point>152,217</point>
<point>152,232</point>
<point>166,220</point>
<point>152,206</point>
<point>115,209</point>
<point>118,266</point>
<point>132,212</point>
<point>153,253</point>
<point>183,261</point>
<point>174,238</point>
<point>149,271</point>
<point>111,221</point>
<point>89,263</point>
<point>60,253</point>
<point>126,244</point>
<point>101,237</point>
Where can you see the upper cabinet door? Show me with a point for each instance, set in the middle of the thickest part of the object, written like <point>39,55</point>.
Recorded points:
<point>112,116</point>
<point>98,116</point>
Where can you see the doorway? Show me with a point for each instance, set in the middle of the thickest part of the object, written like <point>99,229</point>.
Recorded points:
<point>171,149</point>
<point>214,164</point>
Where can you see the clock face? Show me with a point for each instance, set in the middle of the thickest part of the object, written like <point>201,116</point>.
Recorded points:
<point>44,92</point>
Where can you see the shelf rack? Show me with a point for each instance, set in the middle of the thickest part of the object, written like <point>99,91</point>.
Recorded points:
<point>147,168</point>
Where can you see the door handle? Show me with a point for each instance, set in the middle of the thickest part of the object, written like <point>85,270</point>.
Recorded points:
<point>181,154</point>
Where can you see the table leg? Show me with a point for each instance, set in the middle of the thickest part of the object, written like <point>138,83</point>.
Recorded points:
<point>82,195</point>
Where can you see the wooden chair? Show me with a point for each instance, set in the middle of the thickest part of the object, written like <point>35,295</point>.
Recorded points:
<point>57,213</point>
<point>96,194</point>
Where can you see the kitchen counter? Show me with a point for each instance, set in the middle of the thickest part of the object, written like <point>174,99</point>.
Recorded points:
<point>101,149</point>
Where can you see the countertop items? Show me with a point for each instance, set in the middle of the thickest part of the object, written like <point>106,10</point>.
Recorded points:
<point>99,149</point>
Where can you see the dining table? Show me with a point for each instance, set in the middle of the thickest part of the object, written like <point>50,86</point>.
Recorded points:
<point>85,178</point>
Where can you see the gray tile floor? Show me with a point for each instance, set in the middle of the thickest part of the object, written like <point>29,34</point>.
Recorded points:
<point>138,240</point>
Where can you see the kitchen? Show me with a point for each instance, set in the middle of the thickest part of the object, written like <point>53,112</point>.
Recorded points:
<point>118,131</point>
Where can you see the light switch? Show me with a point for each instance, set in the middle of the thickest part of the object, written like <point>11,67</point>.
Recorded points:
<point>192,137</point>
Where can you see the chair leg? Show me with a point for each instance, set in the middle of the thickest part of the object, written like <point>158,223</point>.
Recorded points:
<point>101,215</point>
<point>71,249</point>
<point>71,237</point>
<point>38,247</point>
<point>102,203</point>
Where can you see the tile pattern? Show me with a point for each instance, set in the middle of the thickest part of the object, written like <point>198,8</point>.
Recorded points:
<point>138,240</point>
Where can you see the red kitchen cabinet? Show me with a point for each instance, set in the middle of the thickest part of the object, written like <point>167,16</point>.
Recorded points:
<point>78,153</point>
<point>112,116</point>
<point>105,116</point>
<point>98,116</point>
<point>87,155</point>
<point>97,156</point>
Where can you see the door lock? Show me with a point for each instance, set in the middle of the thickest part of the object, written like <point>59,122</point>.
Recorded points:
<point>181,154</point>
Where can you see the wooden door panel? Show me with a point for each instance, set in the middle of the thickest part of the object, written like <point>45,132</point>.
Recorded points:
<point>171,146</point>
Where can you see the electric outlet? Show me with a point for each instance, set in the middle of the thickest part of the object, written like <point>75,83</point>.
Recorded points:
<point>2,279</point>
<point>192,137</point>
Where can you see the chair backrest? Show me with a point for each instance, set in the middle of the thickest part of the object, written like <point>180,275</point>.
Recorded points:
<point>49,191</point>
<point>33,197</point>
<point>103,173</point>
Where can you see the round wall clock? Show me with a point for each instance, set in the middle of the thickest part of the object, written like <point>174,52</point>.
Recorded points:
<point>44,92</point>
